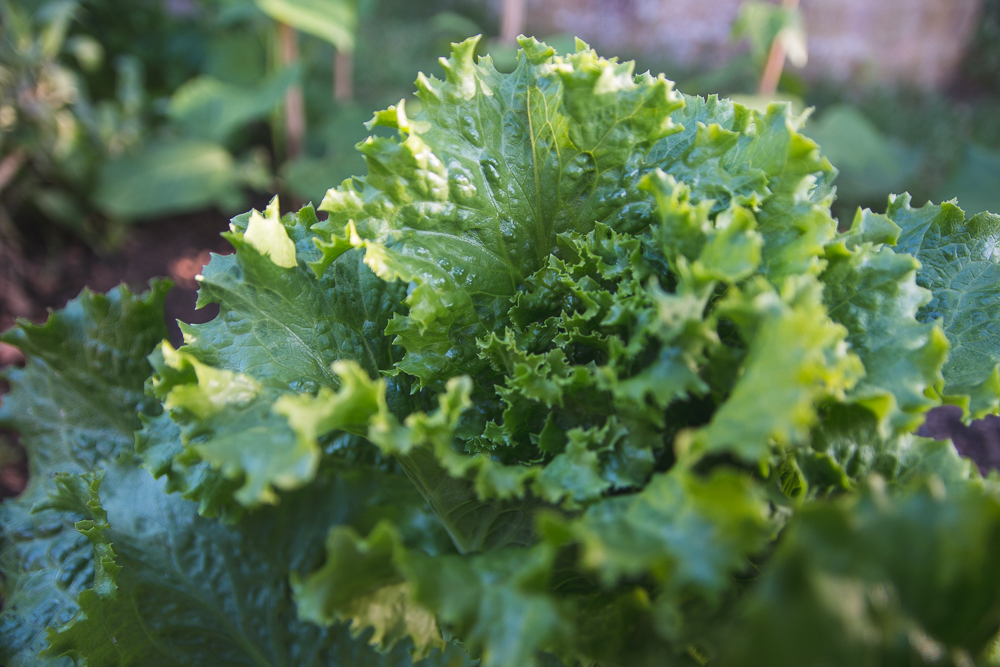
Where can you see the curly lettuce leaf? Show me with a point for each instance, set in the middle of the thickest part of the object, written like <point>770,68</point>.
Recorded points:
<point>959,266</point>
<point>469,200</point>
<point>184,589</point>
<point>281,324</point>
<point>872,291</point>
<point>74,404</point>
<point>907,579</point>
<point>511,606</point>
<point>729,154</point>
<point>797,357</point>
<point>279,331</point>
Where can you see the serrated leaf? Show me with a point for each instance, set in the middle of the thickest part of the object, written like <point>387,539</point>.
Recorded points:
<point>192,591</point>
<point>286,327</point>
<point>435,207</point>
<point>873,292</point>
<point>797,355</point>
<point>75,406</point>
<point>960,268</point>
<point>229,420</point>
<point>685,531</point>
<point>267,235</point>
<point>359,582</point>
<point>908,580</point>
<point>280,331</point>
<point>759,160</point>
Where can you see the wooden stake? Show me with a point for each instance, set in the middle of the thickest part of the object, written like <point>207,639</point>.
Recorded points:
<point>512,20</point>
<point>343,76</point>
<point>775,61</point>
<point>295,107</point>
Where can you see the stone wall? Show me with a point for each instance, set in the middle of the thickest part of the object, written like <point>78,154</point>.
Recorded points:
<point>916,41</point>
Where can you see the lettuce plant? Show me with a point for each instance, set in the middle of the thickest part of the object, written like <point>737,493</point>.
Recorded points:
<point>580,373</point>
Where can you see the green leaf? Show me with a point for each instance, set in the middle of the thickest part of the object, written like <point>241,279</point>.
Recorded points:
<point>359,582</point>
<point>74,404</point>
<point>284,326</point>
<point>162,449</point>
<point>349,409</point>
<point>796,357</point>
<point>976,181</point>
<point>436,207</point>
<point>210,109</point>
<point>280,331</point>
<point>224,589</point>
<point>497,602</point>
<point>911,579</point>
<point>873,292</point>
<point>960,268</point>
<point>471,496</point>
<point>850,445</point>
<point>267,235</point>
<point>758,160</point>
<point>685,531</point>
<point>172,177</point>
<point>228,420</point>
<point>870,164</point>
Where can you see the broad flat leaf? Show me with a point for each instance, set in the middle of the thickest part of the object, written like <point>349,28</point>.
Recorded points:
<point>210,109</point>
<point>332,20</point>
<point>870,164</point>
<point>960,267</point>
<point>192,591</point>
<point>172,177</point>
<point>976,181</point>
<point>75,406</point>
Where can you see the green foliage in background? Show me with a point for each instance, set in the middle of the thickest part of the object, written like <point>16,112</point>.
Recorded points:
<point>99,124</point>
<point>70,139</point>
<point>579,372</point>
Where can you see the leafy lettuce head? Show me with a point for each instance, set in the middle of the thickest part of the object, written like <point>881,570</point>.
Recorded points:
<point>609,341</point>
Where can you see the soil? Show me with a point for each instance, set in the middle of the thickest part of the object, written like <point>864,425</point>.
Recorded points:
<point>178,248</point>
